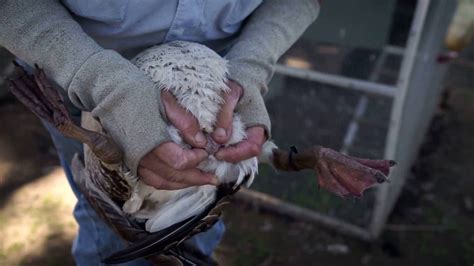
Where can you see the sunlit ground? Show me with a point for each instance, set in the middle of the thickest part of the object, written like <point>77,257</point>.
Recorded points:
<point>36,218</point>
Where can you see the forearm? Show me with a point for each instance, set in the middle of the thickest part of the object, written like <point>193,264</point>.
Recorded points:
<point>97,80</point>
<point>269,32</point>
<point>42,31</point>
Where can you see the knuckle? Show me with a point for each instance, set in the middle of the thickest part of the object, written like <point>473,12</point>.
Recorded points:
<point>179,165</point>
<point>175,160</point>
<point>187,127</point>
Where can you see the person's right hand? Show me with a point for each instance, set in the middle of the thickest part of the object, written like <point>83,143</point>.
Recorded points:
<point>171,167</point>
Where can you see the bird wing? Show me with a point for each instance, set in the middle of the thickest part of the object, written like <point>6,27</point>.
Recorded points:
<point>105,207</point>
<point>167,240</point>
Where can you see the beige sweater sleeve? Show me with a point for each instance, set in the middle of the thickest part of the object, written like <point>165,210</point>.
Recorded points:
<point>269,32</point>
<point>116,92</point>
<point>97,80</point>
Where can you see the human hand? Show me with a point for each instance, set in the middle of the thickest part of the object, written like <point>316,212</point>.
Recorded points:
<point>245,149</point>
<point>171,167</point>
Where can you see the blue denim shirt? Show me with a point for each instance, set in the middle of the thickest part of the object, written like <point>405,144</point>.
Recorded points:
<point>129,26</point>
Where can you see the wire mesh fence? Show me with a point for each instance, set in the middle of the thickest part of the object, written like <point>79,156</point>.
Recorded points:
<point>373,101</point>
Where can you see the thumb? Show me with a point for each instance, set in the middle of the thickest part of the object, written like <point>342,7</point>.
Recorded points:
<point>223,130</point>
<point>183,120</point>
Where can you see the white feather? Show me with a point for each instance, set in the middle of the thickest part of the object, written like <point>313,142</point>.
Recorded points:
<point>197,77</point>
<point>266,156</point>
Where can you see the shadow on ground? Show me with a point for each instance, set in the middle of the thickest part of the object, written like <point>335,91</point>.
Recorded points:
<point>55,252</point>
<point>26,149</point>
<point>36,225</point>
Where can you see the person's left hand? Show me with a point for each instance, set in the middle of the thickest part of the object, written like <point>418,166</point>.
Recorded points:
<point>246,149</point>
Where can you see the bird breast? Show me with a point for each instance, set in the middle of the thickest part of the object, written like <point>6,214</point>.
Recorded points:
<point>196,76</point>
<point>192,73</point>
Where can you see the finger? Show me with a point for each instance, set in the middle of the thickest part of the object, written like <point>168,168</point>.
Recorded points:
<point>178,158</point>
<point>184,121</point>
<point>194,177</point>
<point>246,149</point>
<point>223,130</point>
<point>191,177</point>
<point>242,151</point>
<point>153,179</point>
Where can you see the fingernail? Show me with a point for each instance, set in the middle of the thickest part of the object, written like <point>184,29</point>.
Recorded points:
<point>165,96</point>
<point>199,138</point>
<point>218,155</point>
<point>215,181</point>
<point>220,133</point>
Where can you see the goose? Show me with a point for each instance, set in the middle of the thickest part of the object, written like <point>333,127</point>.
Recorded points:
<point>155,222</point>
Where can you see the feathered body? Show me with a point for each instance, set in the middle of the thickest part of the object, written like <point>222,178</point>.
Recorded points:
<point>197,77</point>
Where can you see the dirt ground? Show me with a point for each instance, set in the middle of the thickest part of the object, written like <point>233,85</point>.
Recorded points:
<point>36,225</point>
<point>432,224</point>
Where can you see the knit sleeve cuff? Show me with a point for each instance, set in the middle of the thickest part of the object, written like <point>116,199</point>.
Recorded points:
<point>251,106</point>
<point>124,100</point>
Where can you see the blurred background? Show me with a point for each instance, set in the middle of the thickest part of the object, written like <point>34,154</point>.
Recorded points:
<point>392,79</point>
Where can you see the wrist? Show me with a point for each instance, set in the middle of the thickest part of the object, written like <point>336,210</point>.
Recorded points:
<point>126,102</point>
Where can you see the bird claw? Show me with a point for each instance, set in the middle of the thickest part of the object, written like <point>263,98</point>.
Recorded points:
<point>348,176</point>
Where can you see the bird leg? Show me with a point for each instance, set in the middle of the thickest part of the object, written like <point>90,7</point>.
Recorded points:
<point>37,93</point>
<point>340,174</point>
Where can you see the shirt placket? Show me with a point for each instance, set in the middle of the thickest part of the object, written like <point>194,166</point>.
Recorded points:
<point>186,23</point>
